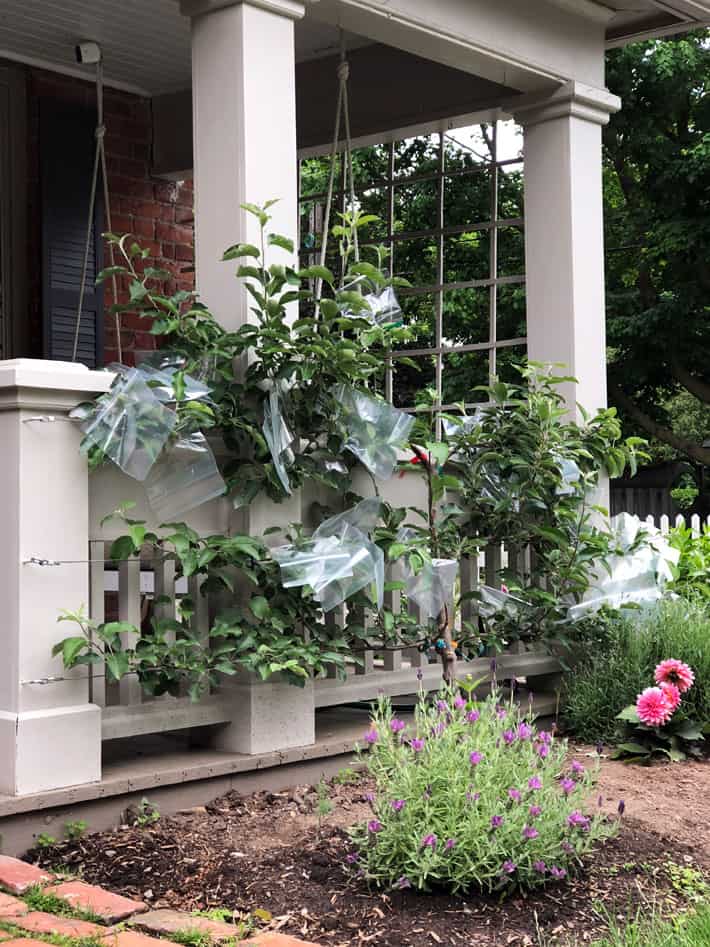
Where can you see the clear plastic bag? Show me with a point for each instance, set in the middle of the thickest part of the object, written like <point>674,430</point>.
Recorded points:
<point>433,586</point>
<point>571,475</point>
<point>279,438</point>
<point>157,368</point>
<point>384,307</point>
<point>184,477</point>
<point>637,575</point>
<point>457,427</point>
<point>130,426</point>
<point>375,430</point>
<point>495,603</point>
<point>339,560</point>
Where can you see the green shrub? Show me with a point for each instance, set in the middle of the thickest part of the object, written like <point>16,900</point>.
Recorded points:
<point>472,797</point>
<point>608,679</point>
<point>692,574</point>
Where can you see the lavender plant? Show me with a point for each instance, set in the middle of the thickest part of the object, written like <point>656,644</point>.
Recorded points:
<point>470,796</point>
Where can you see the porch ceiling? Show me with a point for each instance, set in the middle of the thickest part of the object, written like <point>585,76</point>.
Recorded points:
<point>146,43</point>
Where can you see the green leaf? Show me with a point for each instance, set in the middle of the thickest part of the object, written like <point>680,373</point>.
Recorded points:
<point>240,250</point>
<point>259,607</point>
<point>276,240</point>
<point>629,714</point>
<point>317,272</point>
<point>439,451</point>
<point>122,548</point>
<point>636,748</point>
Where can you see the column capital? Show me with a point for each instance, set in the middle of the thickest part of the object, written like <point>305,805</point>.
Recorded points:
<point>293,9</point>
<point>571,100</point>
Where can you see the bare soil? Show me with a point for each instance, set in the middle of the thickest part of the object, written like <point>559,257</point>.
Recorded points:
<point>267,851</point>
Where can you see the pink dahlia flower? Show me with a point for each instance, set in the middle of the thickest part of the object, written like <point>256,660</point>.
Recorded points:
<point>672,694</point>
<point>653,708</point>
<point>675,672</point>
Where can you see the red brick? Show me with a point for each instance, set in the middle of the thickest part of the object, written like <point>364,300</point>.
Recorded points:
<point>184,252</point>
<point>24,942</point>
<point>108,906</point>
<point>132,168</point>
<point>130,187</point>
<point>121,223</point>
<point>131,939</point>
<point>38,922</point>
<point>169,922</point>
<point>11,907</point>
<point>17,876</point>
<point>143,227</point>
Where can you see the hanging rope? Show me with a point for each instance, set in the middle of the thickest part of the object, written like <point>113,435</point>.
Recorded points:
<point>99,161</point>
<point>342,114</point>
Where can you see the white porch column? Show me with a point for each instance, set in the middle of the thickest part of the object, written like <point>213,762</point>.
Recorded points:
<point>564,237</point>
<point>244,135</point>
<point>50,735</point>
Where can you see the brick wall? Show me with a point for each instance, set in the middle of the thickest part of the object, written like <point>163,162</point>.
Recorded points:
<point>157,212</point>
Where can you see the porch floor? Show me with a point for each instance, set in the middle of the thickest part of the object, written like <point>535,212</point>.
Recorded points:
<point>141,764</point>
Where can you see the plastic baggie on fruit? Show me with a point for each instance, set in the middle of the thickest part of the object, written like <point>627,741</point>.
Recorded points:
<point>131,426</point>
<point>433,586</point>
<point>184,477</point>
<point>279,438</point>
<point>499,603</point>
<point>338,560</point>
<point>571,475</point>
<point>374,430</point>
<point>384,307</point>
<point>637,571</point>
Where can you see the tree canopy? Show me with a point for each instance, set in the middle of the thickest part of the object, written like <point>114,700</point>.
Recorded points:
<point>657,192</point>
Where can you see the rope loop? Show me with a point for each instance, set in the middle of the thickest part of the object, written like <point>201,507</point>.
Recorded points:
<point>100,132</point>
<point>344,70</point>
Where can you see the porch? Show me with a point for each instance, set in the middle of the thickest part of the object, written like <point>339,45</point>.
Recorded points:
<point>262,94</point>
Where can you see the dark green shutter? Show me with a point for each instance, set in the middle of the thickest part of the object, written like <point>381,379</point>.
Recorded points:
<point>67,154</point>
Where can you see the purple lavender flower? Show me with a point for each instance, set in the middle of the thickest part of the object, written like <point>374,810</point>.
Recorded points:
<point>524,731</point>
<point>535,811</point>
<point>496,821</point>
<point>473,796</point>
<point>449,844</point>
<point>429,841</point>
<point>515,795</point>
<point>621,808</point>
<point>417,744</point>
<point>577,768</point>
<point>530,832</point>
<point>600,749</point>
<point>508,867</point>
<point>396,725</point>
<point>501,713</point>
<point>459,702</point>
<point>534,782</point>
<point>369,797</point>
<point>508,737</point>
<point>427,792</point>
<point>442,706</point>
<point>566,847</point>
<point>544,737</point>
<point>475,758</point>
<point>567,786</point>
<point>600,801</point>
<point>543,750</point>
<point>372,736</point>
<point>558,873</point>
<point>420,674</point>
<point>403,883</point>
<point>374,826</point>
<point>438,728</point>
<point>473,715</point>
<point>578,821</point>
<point>540,867</point>
<point>398,804</point>
<point>352,858</point>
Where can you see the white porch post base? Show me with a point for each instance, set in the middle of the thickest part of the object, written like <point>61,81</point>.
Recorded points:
<point>268,716</point>
<point>50,735</point>
<point>564,236</point>
<point>49,749</point>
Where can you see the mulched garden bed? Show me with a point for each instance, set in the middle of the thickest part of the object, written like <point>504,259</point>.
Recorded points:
<point>265,851</point>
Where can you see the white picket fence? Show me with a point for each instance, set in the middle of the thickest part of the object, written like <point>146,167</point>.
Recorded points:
<point>696,524</point>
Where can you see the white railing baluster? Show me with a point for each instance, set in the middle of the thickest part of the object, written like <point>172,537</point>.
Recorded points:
<point>97,611</point>
<point>129,609</point>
